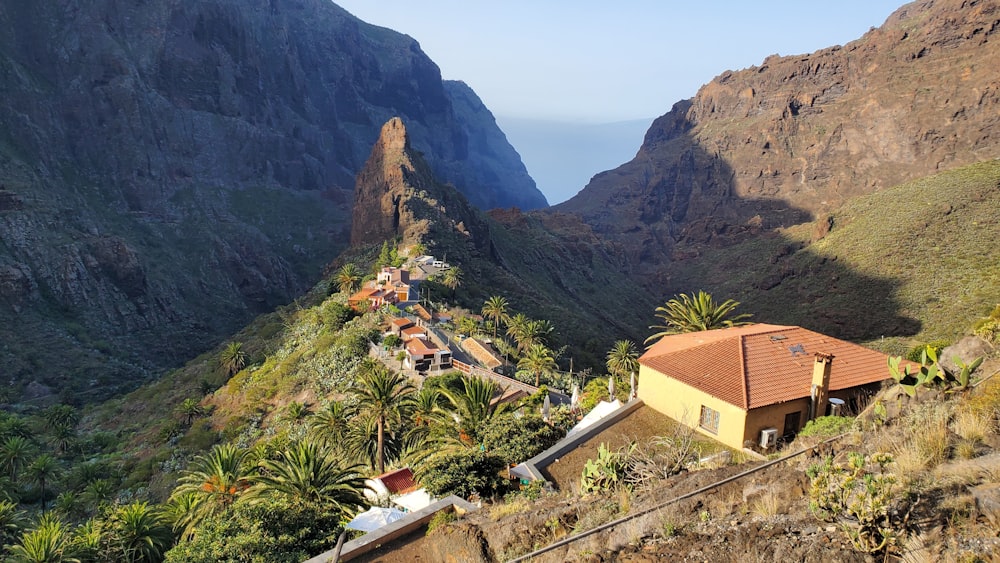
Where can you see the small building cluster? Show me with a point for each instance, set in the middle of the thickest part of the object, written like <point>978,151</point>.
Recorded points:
<point>390,287</point>
<point>421,353</point>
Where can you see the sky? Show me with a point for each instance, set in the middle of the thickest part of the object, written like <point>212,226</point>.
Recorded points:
<point>569,63</point>
<point>604,61</point>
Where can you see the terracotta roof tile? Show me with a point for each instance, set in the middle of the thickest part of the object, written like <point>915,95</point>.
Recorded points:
<point>399,481</point>
<point>758,365</point>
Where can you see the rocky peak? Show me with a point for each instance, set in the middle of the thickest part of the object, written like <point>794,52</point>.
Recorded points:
<point>397,195</point>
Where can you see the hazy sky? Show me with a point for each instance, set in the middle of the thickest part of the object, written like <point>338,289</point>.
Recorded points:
<point>601,61</point>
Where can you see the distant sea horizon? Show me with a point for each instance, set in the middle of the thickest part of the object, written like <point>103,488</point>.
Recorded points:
<point>562,156</point>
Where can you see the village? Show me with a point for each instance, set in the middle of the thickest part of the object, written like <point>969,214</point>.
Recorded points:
<point>747,389</point>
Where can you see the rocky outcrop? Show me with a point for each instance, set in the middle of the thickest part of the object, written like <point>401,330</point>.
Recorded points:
<point>397,195</point>
<point>797,136</point>
<point>170,169</point>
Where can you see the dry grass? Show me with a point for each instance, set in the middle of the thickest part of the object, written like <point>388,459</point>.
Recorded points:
<point>513,506</point>
<point>766,506</point>
<point>973,425</point>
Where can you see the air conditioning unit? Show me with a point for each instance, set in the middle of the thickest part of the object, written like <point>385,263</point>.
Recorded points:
<point>768,438</point>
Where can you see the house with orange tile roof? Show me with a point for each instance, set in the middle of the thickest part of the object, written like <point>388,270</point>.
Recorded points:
<point>397,326</point>
<point>412,332</point>
<point>751,384</point>
<point>482,352</point>
<point>396,280</point>
<point>422,355</point>
<point>375,297</point>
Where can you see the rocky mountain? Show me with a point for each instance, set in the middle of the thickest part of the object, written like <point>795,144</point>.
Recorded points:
<point>794,138</point>
<point>170,169</point>
<point>550,266</point>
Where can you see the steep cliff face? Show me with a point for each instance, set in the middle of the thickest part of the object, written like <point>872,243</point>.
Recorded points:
<point>548,265</point>
<point>798,136</point>
<point>169,169</point>
<point>397,195</point>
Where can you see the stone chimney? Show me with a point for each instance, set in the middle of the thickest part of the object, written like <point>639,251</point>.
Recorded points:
<point>820,384</point>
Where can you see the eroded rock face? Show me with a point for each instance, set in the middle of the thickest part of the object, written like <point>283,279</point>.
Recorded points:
<point>170,169</point>
<point>797,136</point>
<point>397,195</point>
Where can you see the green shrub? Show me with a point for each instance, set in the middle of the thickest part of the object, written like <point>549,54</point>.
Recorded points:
<point>464,473</point>
<point>442,518</point>
<point>827,426</point>
<point>918,353</point>
<point>515,439</point>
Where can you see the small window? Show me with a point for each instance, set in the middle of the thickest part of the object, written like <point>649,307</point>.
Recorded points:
<point>709,419</point>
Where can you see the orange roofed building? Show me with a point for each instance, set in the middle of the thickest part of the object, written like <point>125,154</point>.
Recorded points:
<point>751,384</point>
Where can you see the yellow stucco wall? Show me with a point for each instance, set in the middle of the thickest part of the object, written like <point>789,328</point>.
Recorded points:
<point>683,404</point>
<point>773,416</point>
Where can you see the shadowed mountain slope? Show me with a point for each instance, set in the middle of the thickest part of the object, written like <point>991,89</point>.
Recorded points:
<point>168,170</point>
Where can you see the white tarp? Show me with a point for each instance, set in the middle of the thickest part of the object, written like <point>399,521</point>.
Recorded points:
<point>374,518</point>
<point>414,500</point>
<point>600,411</point>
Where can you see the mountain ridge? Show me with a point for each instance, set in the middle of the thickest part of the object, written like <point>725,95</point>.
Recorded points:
<point>784,142</point>
<point>170,170</point>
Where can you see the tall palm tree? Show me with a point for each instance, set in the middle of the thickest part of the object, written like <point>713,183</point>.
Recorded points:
<point>622,358</point>
<point>42,471</point>
<point>384,398</point>
<point>693,313</point>
<point>233,359</point>
<point>216,480</point>
<point>348,278</point>
<point>48,542</point>
<point>495,309</point>
<point>308,472</point>
<point>538,359</point>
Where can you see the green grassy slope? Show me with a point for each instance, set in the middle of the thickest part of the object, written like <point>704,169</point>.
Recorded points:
<point>914,263</point>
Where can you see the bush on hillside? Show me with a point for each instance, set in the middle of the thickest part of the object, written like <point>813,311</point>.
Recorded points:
<point>828,426</point>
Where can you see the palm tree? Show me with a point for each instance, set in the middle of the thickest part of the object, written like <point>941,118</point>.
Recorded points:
<point>348,278</point>
<point>693,313</point>
<point>384,398</point>
<point>308,472</point>
<point>14,455</point>
<point>495,309</point>
<point>538,359</point>
<point>473,407</point>
<point>11,521</point>
<point>425,411</point>
<point>216,480</point>
<point>61,415</point>
<point>48,542</point>
<point>189,409</point>
<point>331,424</point>
<point>452,278</point>
<point>138,533</point>
<point>232,358</point>
<point>623,359</point>
<point>43,470</point>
